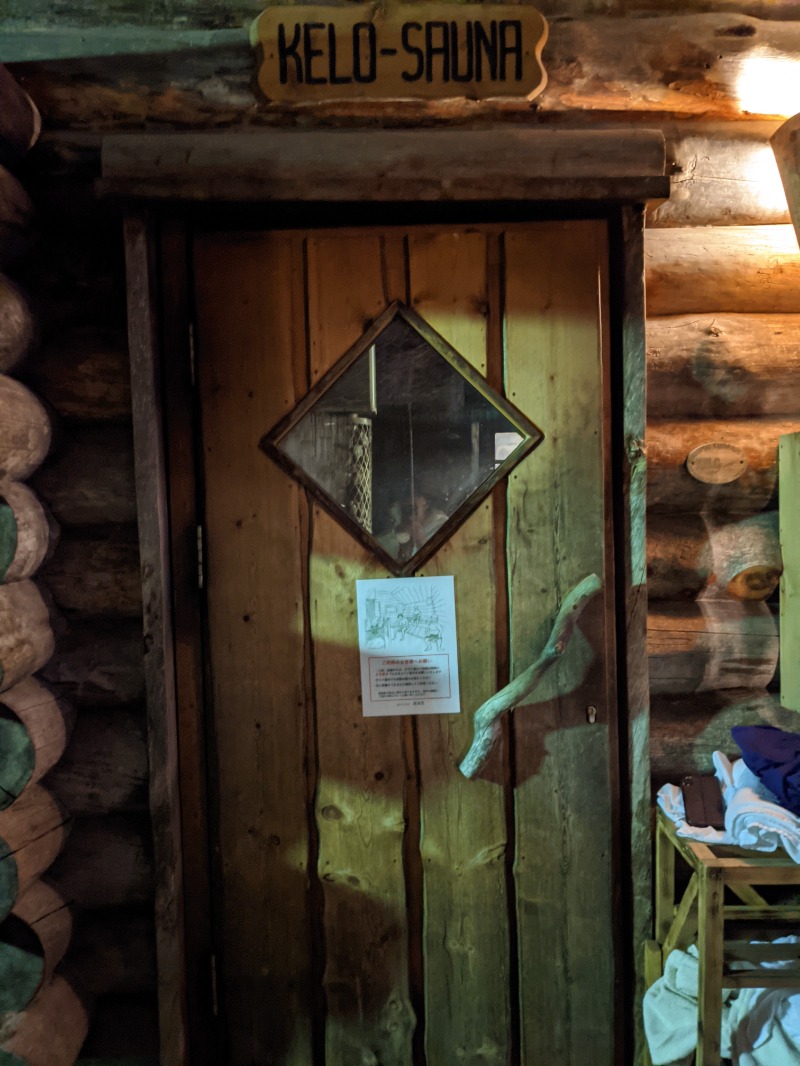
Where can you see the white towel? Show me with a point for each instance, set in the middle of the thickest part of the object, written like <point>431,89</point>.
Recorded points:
<point>753,818</point>
<point>670,1012</point>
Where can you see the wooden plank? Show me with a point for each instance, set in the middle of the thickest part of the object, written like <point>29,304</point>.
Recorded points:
<point>464,834</point>
<point>741,269</point>
<point>338,60</point>
<point>159,676</point>
<point>556,519</point>
<point>633,738</point>
<point>789,506</point>
<point>361,769</point>
<point>341,165</point>
<point>710,948</point>
<point>247,338</point>
<point>182,436</point>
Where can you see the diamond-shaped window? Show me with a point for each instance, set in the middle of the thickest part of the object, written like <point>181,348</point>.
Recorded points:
<point>401,440</point>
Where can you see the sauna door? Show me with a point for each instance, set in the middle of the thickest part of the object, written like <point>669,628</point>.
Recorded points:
<point>373,905</point>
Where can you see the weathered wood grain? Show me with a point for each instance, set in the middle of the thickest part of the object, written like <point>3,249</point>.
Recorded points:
<point>18,330</point>
<point>109,863</point>
<point>739,269</point>
<point>29,534</point>
<point>26,637</point>
<point>35,727</point>
<point>723,365</point>
<point>557,523</point>
<point>687,730</point>
<point>692,554</point>
<point>690,65</point>
<point>93,576</point>
<point>89,481</point>
<point>24,430</point>
<point>84,375</point>
<point>711,644</point>
<point>98,664</point>
<point>721,174</point>
<point>389,165</point>
<point>50,1031</point>
<point>158,659</point>
<point>104,769</point>
<point>672,489</point>
<point>32,833</point>
<point>790,581</point>
<point>359,808</point>
<point>464,835</point>
<point>633,691</point>
<point>248,300</point>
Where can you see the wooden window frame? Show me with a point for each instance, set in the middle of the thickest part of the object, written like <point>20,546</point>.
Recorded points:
<point>172,184</point>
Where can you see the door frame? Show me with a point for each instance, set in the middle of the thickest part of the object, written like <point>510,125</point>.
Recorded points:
<point>174,183</point>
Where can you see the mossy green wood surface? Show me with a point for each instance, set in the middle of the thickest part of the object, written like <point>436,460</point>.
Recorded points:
<point>9,880</point>
<point>789,504</point>
<point>463,828</point>
<point>247,327</point>
<point>556,535</point>
<point>361,769</point>
<point>8,537</point>
<point>17,756</point>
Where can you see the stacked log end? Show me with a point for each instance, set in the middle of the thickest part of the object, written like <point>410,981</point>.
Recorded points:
<point>90,578</point>
<point>723,352</point>
<point>42,1018</point>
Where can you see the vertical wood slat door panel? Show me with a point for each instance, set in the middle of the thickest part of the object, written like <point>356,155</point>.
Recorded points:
<point>247,334</point>
<point>361,769</point>
<point>557,534</point>
<point>358,868</point>
<point>463,830</point>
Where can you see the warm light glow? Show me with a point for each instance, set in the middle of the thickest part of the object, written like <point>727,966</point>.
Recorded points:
<point>769,85</point>
<point>761,168</point>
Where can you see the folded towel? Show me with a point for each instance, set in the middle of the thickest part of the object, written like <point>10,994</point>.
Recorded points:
<point>752,817</point>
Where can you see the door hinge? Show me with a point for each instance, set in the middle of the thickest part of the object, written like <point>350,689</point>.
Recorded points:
<point>191,354</point>
<point>214,996</point>
<point>200,560</point>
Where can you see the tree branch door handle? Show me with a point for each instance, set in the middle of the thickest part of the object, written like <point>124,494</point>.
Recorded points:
<point>486,720</point>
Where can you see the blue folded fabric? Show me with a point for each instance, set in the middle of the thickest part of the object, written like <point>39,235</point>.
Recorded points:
<point>774,757</point>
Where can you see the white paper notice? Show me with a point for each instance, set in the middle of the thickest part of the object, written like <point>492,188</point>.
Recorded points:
<point>408,646</point>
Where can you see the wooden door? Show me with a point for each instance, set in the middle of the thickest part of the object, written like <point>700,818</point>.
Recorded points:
<point>373,905</point>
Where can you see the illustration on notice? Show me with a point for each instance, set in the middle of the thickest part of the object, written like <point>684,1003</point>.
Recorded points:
<point>407,641</point>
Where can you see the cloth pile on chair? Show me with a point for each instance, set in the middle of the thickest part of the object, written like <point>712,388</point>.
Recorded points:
<point>753,818</point>
<point>760,1026</point>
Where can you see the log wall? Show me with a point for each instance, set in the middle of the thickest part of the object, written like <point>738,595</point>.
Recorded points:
<point>723,277</point>
<point>43,1019</point>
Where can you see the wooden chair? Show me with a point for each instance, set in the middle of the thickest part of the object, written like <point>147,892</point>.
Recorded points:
<point>702,913</point>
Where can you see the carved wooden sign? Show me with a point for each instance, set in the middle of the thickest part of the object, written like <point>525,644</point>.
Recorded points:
<point>405,50</point>
<point>717,463</point>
